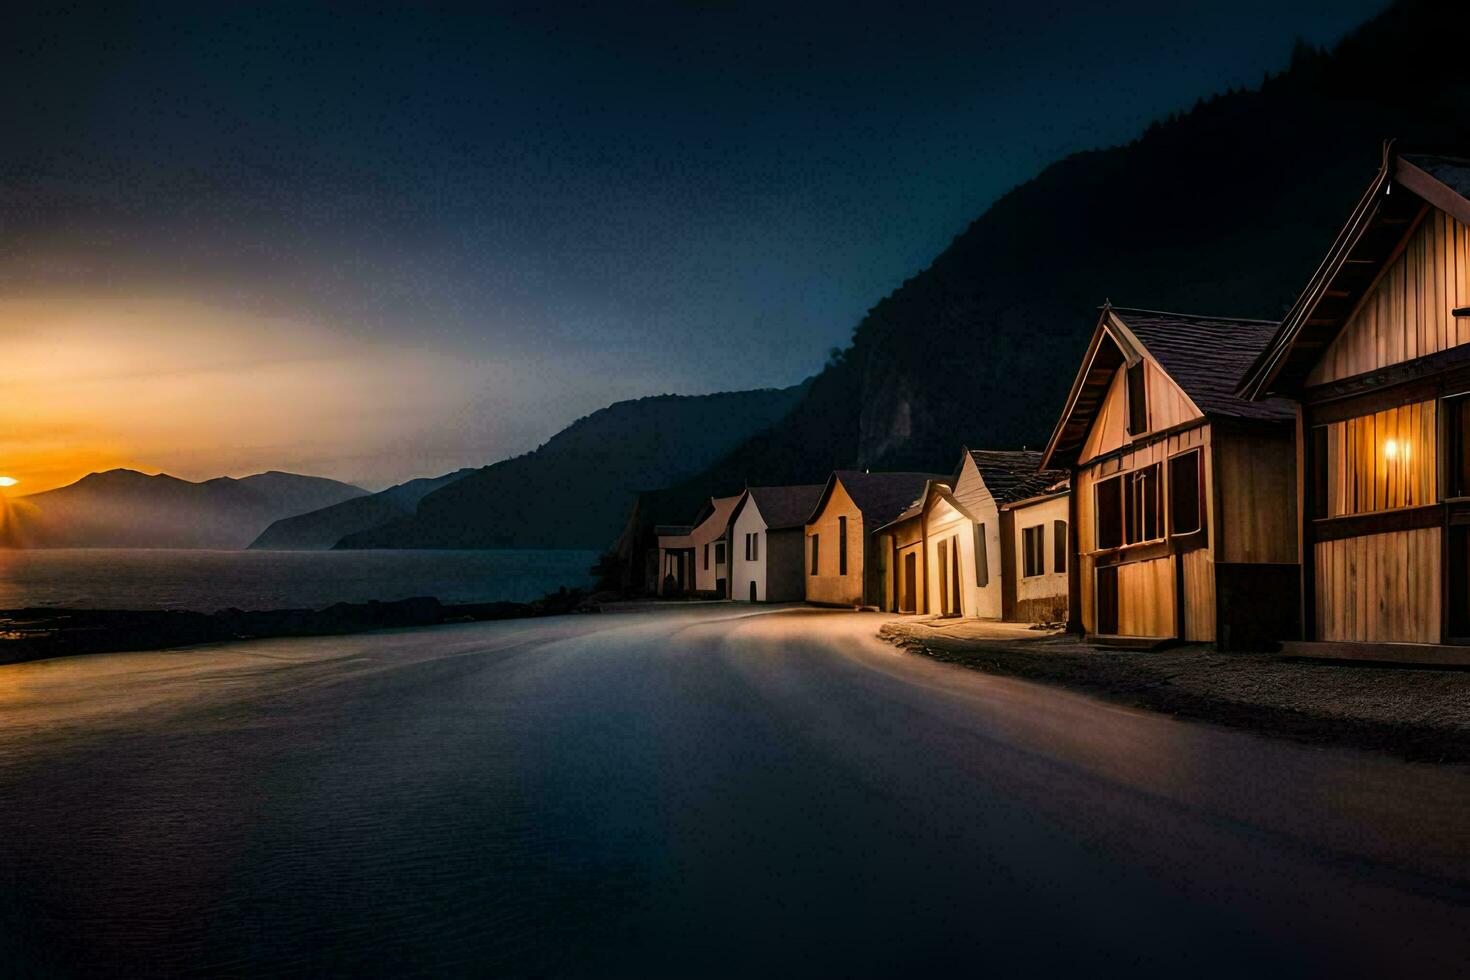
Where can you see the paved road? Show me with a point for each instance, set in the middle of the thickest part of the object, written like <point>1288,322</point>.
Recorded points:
<point>712,791</point>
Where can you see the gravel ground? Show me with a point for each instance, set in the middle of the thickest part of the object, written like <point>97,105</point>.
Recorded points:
<point>1416,713</point>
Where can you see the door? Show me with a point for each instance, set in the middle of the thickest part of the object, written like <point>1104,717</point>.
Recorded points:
<point>941,567</point>
<point>752,590</point>
<point>957,604</point>
<point>1107,601</point>
<point>910,583</point>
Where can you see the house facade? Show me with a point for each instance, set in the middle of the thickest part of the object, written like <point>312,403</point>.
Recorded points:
<point>1182,514</point>
<point>1038,554</point>
<point>949,550</point>
<point>1375,355</point>
<point>698,559</point>
<point>768,541</point>
<point>843,563</point>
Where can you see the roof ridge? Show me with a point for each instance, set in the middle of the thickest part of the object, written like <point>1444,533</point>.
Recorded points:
<point>1194,316</point>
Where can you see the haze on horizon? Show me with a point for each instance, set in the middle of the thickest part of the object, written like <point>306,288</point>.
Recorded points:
<point>403,242</point>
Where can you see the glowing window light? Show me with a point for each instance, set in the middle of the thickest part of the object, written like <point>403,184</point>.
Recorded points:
<point>1392,449</point>
<point>8,481</point>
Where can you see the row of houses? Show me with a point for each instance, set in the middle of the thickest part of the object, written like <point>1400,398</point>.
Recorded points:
<point>1216,479</point>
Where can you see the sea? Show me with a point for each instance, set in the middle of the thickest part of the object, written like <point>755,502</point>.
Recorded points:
<point>205,581</point>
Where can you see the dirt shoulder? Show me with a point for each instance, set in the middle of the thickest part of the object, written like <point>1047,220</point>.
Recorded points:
<point>1418,714</point>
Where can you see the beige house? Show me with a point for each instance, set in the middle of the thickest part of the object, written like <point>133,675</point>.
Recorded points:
<point>950,551</point>
<point>768,539</point>
<point>1182,505</point>
<point>844,565</point>
<point>697,558</point>
<point>1376,358</point>
<point>1039,554</point>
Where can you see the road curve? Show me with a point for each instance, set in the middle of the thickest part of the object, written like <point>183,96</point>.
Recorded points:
<point>719,790</point>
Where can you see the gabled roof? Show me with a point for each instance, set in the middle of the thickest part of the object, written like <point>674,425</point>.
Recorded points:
<point>1014,474</point>
<point>1204,355</point>
<point>782,507</point>
<point>709,523</point>
<point>1372,237</point>
<point>916,509</point>
<point>880,496</point>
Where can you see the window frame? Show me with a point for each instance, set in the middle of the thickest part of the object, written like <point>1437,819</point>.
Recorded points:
<point>842,544</point>
<point>1059,546</point>
<point>1033,551</point>
<point>1136,375</point>
<point>1201,518</point>
<point>815,554</point>
<point>1119,539</point>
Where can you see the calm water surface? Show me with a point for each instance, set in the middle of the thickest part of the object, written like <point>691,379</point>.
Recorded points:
<point>120,578</point>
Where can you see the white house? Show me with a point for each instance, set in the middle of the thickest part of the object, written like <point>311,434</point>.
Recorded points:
<point>697,558</point>
<point>768,563</point>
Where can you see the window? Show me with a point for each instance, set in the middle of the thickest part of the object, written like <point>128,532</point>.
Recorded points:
<point>1059,546</point>
<point>706,556</point>
<point>816,539</point>
<point>1137,399</point>
<point>1033,550</point>
<point>747,547</point>
<point>1383,461</point>
<point>1142,505</point>
<point>1186,497</point>
<point>1457,443</point>
<point>755,546</point>
<point>842,546</point>
<point>982,558</point>
<point>1110,513</point>
<point>719,552</point>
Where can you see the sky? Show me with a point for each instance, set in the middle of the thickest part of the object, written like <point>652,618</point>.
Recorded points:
<point>379,243</point>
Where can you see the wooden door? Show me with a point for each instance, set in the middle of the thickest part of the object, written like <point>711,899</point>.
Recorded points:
<point>1107,601</point>
<point>910,583</point>
<point>941,568</point>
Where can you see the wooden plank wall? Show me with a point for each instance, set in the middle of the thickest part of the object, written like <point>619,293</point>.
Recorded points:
<point>1407,314</point>
<point>1380,587</point>
<point>1257,497</point>
<point>1199,595</point>
<point>1168,406</point>
<point>1382,461</point>
<point>1146,598</point>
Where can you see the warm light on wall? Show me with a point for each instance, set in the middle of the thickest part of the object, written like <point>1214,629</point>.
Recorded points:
<point>8,481</point>
<point>1393,448</point>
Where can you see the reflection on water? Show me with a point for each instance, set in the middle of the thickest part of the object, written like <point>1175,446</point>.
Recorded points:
<point>116,578</point>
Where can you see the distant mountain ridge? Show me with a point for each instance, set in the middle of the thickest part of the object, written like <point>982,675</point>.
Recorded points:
<point>575,491</point>
<point>321,529</point>
<point>126,509</point>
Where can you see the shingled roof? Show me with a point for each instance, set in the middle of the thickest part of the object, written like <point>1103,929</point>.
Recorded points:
<point>783,507</point>
<point>880,496</point>
<point>1453,172</point>
<point>1014,474</point>
<point>1206,356</point>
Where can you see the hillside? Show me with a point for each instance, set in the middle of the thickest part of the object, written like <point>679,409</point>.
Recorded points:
<point>1225,209</point>
<point>128,509</point>
<point>321,529</point>
<point>576,490</point>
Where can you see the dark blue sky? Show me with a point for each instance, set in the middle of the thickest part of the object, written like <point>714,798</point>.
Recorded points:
<point>566,205</point>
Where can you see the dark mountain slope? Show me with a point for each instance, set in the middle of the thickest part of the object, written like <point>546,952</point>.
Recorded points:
<point>576,490</point>
<point>127,509</point>
<point>1225,209</point>
<point>321,529</point>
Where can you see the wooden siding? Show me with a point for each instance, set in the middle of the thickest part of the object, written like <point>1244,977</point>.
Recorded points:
<point>1380,587</point>
<point>828,586</point>
<point>1168,406</point>
<point>1257,489</point>
<point>1146,598</point>
<point>1198,568</point>
<point>1382,461</point>
<point>1407,313</point>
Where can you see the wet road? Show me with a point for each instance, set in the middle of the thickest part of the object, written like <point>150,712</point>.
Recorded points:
<point>715,791</point>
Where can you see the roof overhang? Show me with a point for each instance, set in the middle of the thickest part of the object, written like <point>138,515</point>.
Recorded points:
<point>1112,346</point>
<point>1373,237</point>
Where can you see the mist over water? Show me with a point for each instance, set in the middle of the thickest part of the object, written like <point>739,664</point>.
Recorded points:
<point>204,581</point>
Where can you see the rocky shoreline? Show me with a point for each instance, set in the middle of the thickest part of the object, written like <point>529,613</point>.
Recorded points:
<point>40,633</point>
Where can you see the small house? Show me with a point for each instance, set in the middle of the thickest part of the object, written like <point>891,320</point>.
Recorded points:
<point>844,566</point>
<point>768,539</point>
<point>1375,356</point>
<point>697,558</point>
<point>1182,506</point>
<point>950,551</point>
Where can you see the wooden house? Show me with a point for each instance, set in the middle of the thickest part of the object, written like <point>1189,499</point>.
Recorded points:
<point>950,551</point>
<point>1183,513</point>
<point>1376,356</point>
<point>768,538</point>
<point>843,565</point>
<point>697,558</point>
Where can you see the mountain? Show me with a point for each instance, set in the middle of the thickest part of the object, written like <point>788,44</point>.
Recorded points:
<point>1224,209</point>
<point>575,491</point>
<point>321,529</point>
<point>128,509</point>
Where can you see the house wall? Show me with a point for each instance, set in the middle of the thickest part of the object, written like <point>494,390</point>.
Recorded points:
<point>901,541</point>
<point>1256,475</point>
<point>785,568</point>
<point>971,492</point>
<point>1168,406</point>
<point>1407,313</point>
<point>1380,587</point>
<point>947,526</point>
<point>828,586</point>
<point>1040,598</point>
<point>743,572</point>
